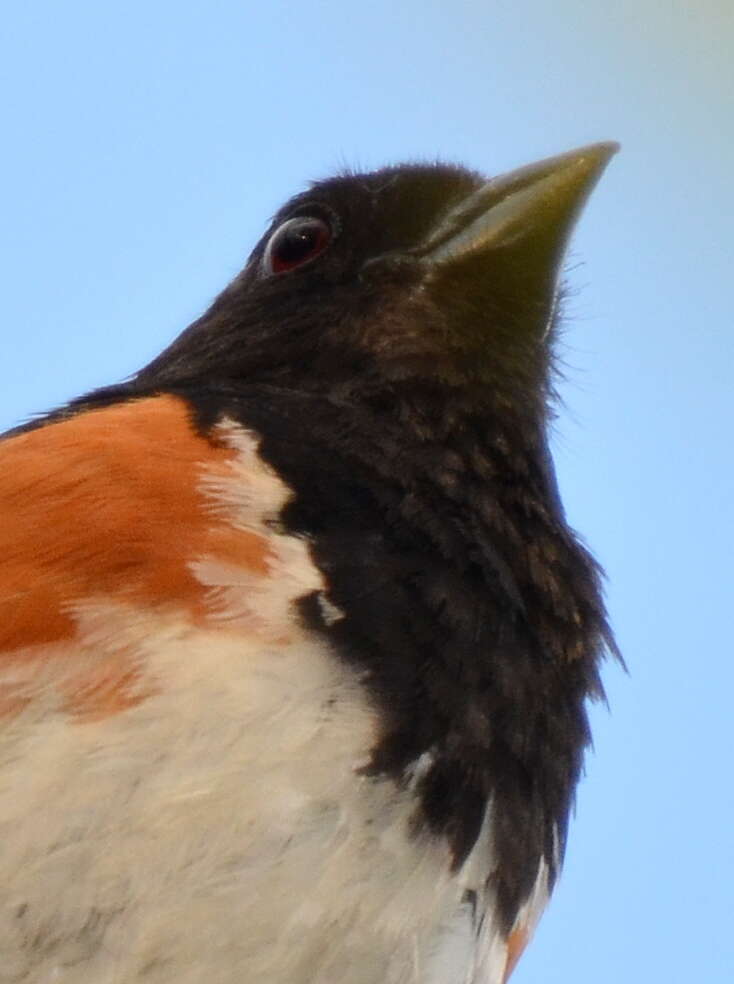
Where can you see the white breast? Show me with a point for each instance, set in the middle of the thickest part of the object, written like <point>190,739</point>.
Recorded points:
<point>218,831</point>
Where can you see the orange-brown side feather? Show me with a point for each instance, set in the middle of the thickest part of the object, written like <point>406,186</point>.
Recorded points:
<point>107,504</point>
<point>516,943</point>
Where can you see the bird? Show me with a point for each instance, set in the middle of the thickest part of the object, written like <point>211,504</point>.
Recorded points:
<point>296,643</point>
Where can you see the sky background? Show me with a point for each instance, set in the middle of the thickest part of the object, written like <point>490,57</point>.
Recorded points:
<point>147,143</point>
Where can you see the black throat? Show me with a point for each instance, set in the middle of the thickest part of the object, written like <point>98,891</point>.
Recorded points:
<point>471,613</point>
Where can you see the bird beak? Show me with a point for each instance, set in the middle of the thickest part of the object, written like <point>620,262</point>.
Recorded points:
<point>535,206</point>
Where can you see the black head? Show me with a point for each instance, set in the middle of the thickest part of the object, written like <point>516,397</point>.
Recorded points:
<point>411,272</point>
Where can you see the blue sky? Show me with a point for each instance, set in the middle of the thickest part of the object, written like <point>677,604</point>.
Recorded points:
<point>146,145</point>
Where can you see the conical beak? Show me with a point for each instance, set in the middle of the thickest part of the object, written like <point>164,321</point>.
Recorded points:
<point>538,203</point>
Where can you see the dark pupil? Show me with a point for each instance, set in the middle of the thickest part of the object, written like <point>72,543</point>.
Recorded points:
<point>297,242</point>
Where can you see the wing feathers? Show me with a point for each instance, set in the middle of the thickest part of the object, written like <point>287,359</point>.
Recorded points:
<point>118,505</point>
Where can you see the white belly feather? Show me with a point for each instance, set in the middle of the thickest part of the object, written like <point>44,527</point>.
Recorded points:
<point>216,832</point>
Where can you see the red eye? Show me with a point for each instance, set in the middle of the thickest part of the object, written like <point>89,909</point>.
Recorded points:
<point>296,242</point>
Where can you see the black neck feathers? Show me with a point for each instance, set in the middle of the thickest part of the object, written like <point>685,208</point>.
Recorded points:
<point>472,613</point>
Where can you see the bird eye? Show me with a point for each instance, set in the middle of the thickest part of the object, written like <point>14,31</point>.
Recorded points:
<point>295,242</point>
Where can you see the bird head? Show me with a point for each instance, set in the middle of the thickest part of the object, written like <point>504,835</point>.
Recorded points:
<point>424,274</point>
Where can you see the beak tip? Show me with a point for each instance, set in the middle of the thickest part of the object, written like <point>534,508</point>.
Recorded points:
<point>578,171</point>
<point>593,158</point>
<point>603,150</point>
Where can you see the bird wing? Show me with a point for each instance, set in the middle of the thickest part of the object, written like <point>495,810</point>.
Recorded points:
<point>125,509</point>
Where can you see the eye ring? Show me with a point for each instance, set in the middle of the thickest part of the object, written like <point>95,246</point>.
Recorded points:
<point>295,242</point>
